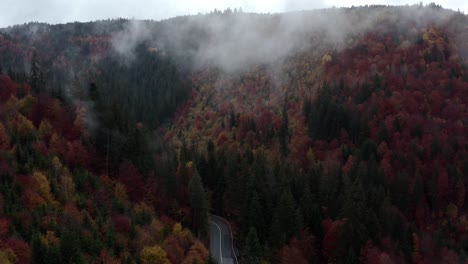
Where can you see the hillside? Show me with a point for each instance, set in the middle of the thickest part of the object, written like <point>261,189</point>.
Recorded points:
<point>321,142</point>
<point>57,205</point>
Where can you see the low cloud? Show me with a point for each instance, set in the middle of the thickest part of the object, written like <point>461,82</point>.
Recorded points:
<point>236,41</point>
<point>133,33</point>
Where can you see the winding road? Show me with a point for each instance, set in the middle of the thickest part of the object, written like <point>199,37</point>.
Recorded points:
<point>221,241</point>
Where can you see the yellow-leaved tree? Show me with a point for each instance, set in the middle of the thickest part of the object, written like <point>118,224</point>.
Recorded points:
<point>197,254</point>
<point>24,128</point>
<point>153,255</point>
<point>44,188</point>
<point>45,129</point>
<point>7,256</point>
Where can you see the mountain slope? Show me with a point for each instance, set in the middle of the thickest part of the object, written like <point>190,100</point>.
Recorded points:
<point>55,204</point>
<point>369,138</point>
<point>334,135</point>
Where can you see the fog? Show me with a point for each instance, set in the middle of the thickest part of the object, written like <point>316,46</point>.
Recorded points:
<point>236,41</point>
<point>59,11</point>
<point>125,41</point>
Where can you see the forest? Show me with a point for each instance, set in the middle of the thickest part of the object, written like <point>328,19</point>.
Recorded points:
<point>346,143</point>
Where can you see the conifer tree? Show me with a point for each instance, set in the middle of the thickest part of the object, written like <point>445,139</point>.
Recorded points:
<point>199,204</point>
<point>36,77</point>
<point>253,249</point>
<point>283,133</point>
<point>284,221</point>
<point>70,248</point>
<point>355,232</point>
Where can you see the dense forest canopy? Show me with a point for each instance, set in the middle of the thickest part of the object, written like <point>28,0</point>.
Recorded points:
<point>326,136</point>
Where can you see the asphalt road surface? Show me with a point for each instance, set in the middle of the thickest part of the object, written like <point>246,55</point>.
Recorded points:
<point>221,247</point>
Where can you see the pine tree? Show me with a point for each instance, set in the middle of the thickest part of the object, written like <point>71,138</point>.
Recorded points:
<point>199,204</point>
<point>400,191</point>
<point>11,73</point>
<point>284,131</point>
<point>38,249</point>
<point>355,231</point>
<point>311,212</point>
<point>418,189</point>
<point>211,166</point>
<point>255,217</point>
<point>93,92</point>
<point>53,255</point>
<point>299,218</point>
<point>283,226</point>
<point>70,248</point>
<point>251,213</point>
<point>253,249</point>
<point>36,76</point>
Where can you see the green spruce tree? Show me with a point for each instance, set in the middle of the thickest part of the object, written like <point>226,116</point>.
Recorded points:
<point>36,76</point>
<point>199,204</point>
<point>253,250</point>
<point>283,226</point>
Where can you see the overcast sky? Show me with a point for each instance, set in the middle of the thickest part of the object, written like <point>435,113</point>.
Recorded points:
<point>61,11</point>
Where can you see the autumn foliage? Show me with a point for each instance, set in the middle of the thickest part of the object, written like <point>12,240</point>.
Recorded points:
<point>346,150</point>
<point>54,204</point>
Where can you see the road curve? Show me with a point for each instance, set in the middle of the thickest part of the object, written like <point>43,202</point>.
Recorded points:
<point>221,241</point>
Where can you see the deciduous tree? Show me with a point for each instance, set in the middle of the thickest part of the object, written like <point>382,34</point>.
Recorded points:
<point>153,255</point>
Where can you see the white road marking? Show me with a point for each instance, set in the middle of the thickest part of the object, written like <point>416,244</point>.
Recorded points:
<point>232,238</point>
<point>220,238</point>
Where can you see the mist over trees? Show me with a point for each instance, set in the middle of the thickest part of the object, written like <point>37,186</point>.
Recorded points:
<point>334,135</point>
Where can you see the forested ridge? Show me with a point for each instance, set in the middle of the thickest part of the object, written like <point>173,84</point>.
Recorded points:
<point>341,146</point>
